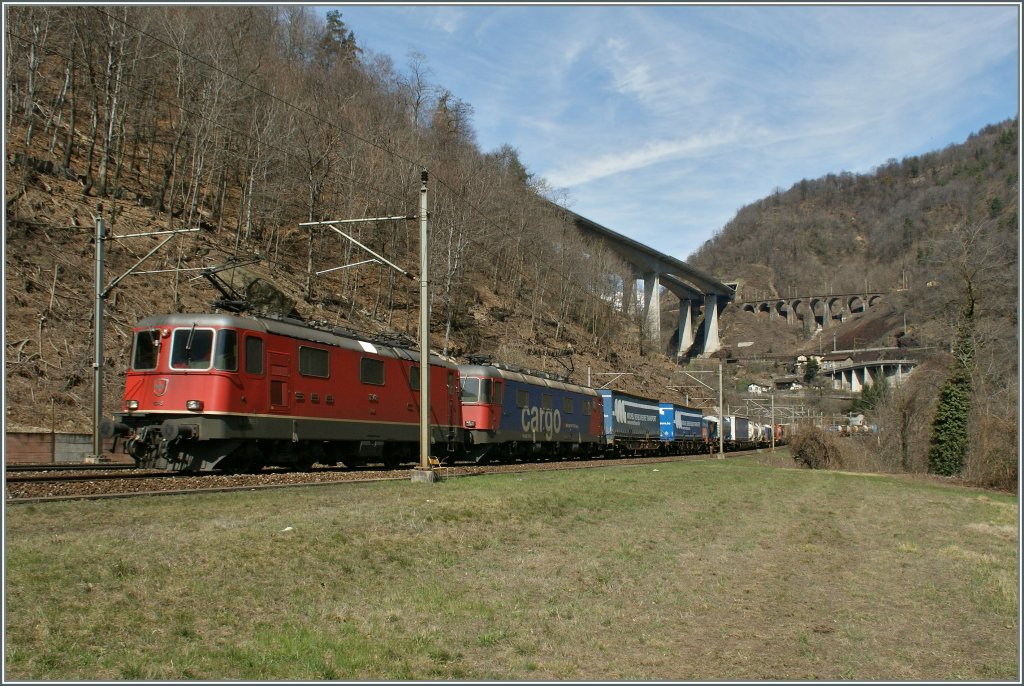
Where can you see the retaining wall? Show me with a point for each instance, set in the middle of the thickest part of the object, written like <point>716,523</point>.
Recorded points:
<point>23,447</point>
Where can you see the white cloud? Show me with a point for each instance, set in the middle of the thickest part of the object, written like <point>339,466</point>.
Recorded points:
<point>446,19</point>
<point>579,172</point>
<point>663,121</point>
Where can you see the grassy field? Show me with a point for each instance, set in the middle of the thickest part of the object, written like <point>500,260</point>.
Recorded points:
<point>695,570</point>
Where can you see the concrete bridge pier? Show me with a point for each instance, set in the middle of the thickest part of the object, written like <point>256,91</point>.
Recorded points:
<point>821,307</point>
<point>629,292</point>
<point>685,337</point>
<point>652,306</point>
<point>711,342</point>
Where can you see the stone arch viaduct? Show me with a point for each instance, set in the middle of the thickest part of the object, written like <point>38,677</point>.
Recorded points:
<point>812,311</point>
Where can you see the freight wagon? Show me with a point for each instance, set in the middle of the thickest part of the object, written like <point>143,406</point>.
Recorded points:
<point>683,430</point>
<point>632,424</point>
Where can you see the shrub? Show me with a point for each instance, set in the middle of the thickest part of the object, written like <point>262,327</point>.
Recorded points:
<point>816,448</point>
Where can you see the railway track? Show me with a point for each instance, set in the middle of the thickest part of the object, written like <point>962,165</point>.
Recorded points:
<point>31,468</point>
<point>39,476</point>
<point>44,488</point>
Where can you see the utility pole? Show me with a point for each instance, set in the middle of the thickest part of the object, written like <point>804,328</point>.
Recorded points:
<point>97,365</point>
<point>773,423</point>
<point>426,473</point>
<point>721,417</point>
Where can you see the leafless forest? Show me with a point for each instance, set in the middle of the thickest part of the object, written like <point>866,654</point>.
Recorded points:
<point>246,121</point>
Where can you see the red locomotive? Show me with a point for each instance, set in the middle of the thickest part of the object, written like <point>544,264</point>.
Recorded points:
<point>219,391</point>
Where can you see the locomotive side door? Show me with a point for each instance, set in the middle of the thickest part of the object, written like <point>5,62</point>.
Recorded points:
<point>280,364</point>
<point>454,417</point>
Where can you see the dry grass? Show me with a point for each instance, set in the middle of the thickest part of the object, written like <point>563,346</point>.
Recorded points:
<point>686,571</point>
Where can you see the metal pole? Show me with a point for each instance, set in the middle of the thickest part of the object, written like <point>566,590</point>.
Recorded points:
<point>101,294</point>
<point>97,365</point>
<point>721,417</point>
<point>773,423</point>
<point>424,329</point>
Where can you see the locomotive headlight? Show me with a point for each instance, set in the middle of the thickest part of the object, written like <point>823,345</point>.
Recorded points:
<point>131,405</point>
<point>470,424</point>
<point>194,405</point>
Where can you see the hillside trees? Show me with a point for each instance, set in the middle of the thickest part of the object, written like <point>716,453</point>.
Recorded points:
<point>867,228</point>
<point>943,228</point>
<point>245,121</point>
<point>251,120</point>
<point>977,257</point>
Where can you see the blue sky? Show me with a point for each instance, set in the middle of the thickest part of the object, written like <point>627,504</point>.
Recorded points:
<point>661,121</point>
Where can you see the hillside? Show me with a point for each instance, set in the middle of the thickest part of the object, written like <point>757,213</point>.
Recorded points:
<point>911,227</point>
<point>243,122</point>
<point>246,122</point>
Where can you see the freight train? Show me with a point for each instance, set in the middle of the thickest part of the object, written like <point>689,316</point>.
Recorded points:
<point>229,393</point>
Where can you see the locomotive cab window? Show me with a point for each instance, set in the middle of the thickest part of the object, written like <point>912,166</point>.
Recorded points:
<point>191,348</point>
<point>314,362</point>
<point>371,371</point>
<point>225,357</point>
<point>471,390</point>
<point>147,350</point>
<point>476,390</point>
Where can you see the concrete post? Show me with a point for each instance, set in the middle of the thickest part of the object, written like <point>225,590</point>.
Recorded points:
<point>652,306</point>
<point>628,292</point>
<point>685,326</point>
<point>711,342</point>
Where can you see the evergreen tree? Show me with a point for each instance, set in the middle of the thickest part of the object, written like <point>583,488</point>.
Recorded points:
<point>338,43</point>
<point>950,437</point>
<point>811,372</point>
<point>950,428</point>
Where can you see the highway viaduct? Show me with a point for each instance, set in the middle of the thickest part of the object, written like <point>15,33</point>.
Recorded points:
<point>697,292</point>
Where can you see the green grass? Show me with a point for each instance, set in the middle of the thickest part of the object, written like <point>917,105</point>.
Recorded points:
<point>682,571</point>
